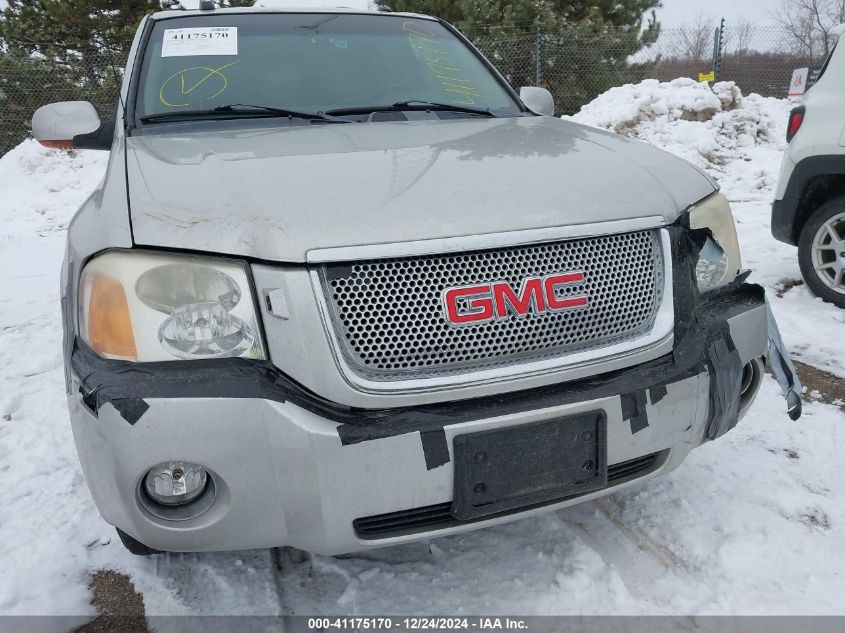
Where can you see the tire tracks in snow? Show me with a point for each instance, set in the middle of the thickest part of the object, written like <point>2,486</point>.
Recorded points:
<point>638,558</point>
<point>612,511</point>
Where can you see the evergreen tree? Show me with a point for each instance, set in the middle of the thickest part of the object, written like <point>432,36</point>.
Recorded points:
<point>54,50</point>
<point>521,14</point>
<point>585,45</point>
<point>61,29</point>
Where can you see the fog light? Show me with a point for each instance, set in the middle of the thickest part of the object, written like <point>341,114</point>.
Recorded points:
<point>175,483</point>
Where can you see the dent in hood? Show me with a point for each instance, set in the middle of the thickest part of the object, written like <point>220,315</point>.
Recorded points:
<point>277,193</point>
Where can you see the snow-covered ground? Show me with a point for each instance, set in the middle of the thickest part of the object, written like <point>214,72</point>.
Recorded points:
<point>750,524</point>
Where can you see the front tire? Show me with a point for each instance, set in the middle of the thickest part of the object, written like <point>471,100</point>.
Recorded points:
<point>135,547</point>
<point>821,252</point>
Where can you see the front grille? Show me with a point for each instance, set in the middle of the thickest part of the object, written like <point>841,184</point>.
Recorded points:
<point>389,317</point>
<point>438,517</point>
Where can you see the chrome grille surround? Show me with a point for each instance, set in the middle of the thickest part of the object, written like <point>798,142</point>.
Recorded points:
<point>387,320</point>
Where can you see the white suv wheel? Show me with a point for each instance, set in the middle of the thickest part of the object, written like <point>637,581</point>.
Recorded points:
<point>821,252</point>
<point>829,253</point>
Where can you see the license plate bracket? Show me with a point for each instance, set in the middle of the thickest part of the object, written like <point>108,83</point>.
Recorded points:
<point>519,466</point>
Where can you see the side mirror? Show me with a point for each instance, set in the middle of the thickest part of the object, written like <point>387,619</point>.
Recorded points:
<point>538,100</point>
<point>57,124</point>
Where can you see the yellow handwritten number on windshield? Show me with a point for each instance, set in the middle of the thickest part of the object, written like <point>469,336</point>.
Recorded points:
<point>201,82</point>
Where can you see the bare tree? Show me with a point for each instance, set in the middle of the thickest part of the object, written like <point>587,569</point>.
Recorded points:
<point>739,37</point>
<point>837,13</point>
<point>696,39</point>
<point>808,24</point>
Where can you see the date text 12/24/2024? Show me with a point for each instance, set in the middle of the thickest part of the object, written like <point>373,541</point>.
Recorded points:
<point>417,624</point>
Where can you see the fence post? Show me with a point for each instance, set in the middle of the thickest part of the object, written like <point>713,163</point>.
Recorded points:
<point>718,46</point>
<point>538,53</point>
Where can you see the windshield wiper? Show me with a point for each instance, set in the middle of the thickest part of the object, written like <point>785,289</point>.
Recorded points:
<point>241,110</point>
<point>413,105</point>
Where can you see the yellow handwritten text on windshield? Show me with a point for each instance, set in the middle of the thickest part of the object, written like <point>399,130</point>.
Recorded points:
<point>448,73</point>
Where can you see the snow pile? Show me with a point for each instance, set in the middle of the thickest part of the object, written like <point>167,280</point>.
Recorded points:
<point>711,128</point>
<point>42,188</point>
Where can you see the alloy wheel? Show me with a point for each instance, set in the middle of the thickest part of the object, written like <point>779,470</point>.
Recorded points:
<point>829,253</point>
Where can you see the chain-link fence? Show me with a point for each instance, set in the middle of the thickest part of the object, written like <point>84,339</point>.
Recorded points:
<point>576,64</point>
<point>30,79</point>
<point>759,59</point>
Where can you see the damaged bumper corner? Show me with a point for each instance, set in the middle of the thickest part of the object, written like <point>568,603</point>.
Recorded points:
<point>783,368</point>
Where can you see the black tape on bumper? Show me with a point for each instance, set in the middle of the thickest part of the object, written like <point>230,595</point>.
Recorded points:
<point>725,368</point>
<point>113,381</point>
<point>634,411</point>
<point>435,448</point>
<point>656,394</point>
<point>130,410</point>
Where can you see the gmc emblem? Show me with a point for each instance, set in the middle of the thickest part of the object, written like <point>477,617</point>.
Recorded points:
<point>469,305</point>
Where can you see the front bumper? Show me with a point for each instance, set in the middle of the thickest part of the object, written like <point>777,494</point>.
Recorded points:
<point>291,469</point>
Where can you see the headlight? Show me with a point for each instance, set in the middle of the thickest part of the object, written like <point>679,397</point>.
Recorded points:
<point>720,261</point>
<point>145,308</point>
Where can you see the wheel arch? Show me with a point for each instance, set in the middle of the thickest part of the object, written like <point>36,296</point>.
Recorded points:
<point>814,181</point>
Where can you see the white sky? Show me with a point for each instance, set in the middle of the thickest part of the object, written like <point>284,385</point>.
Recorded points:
<point>677,12</point>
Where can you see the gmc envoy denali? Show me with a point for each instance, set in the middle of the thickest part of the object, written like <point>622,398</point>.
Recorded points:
<point>343,288</point>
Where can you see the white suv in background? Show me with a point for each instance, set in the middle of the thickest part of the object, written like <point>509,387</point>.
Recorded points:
<point>809,210</point>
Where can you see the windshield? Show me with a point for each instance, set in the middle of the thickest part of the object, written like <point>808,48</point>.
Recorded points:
<point>311,63</point>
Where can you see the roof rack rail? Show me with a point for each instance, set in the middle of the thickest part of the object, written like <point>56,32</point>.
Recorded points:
<point>347,5</point>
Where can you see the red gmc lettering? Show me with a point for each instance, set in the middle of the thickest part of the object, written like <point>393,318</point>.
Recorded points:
<point>531,293</point>
<point>479,304</point>
<point>550,285</point>
<point>484,302</point>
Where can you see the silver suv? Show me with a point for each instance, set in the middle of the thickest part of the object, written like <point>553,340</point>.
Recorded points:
<point>342,288</point>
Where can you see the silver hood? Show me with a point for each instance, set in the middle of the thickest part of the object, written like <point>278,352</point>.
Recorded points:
<point>276,193</point>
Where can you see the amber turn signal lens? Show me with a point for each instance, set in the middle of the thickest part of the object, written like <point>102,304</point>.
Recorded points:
<point>57,144</point>
<point>109,323</point>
